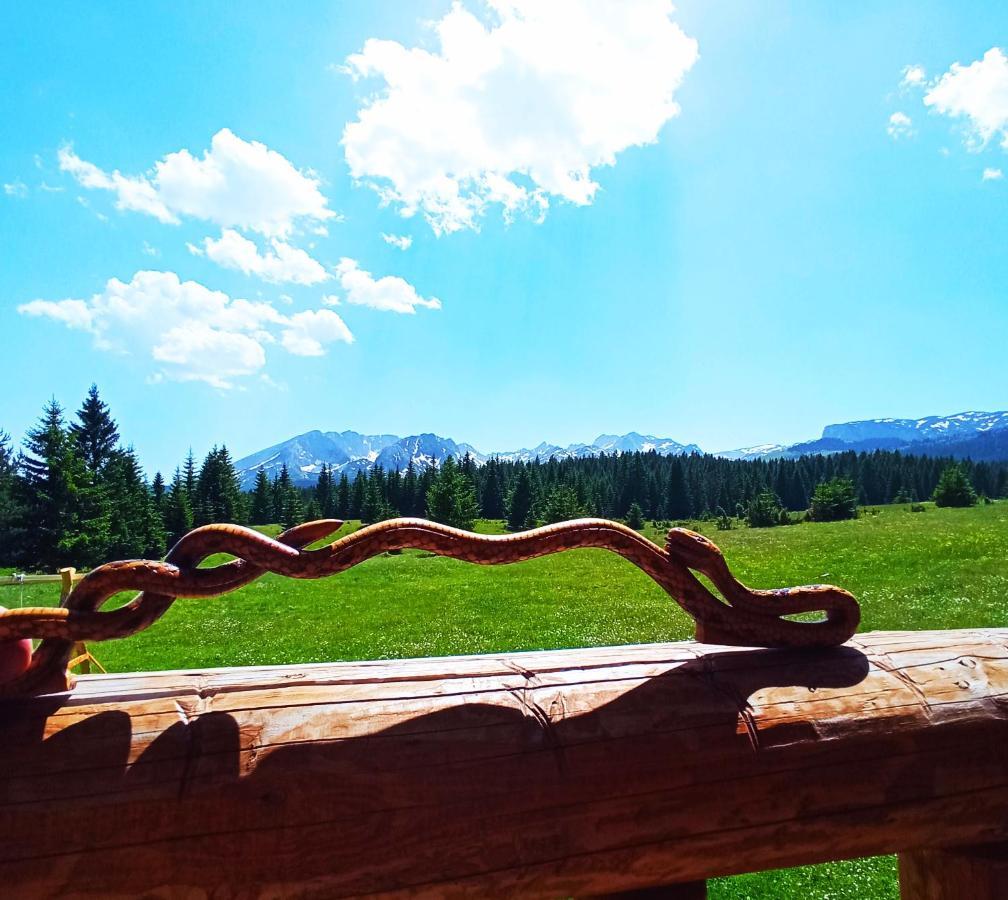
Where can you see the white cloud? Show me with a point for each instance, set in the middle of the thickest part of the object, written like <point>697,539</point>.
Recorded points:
<point>389,293</point>
<point>913,76</point>
<point>899,126</point>
<point>515,112</point>
<point>16,188</point>
<point>402,241</point>
<point>990,174</point>
<point>310,329</point>
<point>283,264</point>
<point>978,94</point>
<point>191,332</point>
<point>150,250</point>
<point>236,184</point>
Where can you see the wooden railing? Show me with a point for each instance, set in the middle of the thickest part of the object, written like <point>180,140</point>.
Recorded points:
<point>573,772</point>
<point>544,774</point>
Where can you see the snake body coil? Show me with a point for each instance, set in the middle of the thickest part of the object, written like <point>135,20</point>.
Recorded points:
<point>743,617</point>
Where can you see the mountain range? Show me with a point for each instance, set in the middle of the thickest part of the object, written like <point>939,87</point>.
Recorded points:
<point>978,435</point>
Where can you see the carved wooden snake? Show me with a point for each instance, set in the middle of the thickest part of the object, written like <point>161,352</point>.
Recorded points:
<point>744,617</point>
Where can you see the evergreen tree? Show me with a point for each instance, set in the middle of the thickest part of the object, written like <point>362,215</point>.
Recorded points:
<point>312,513</point>
<point>492,494</point>
<point>135,525</point>
<point>678,504</point>
<point>408,505</point>
<point>13,523</point>
<point>562,504</point>
<point>262,500</point>
<point>635,516</point>
<point>343,497</point>
<point>189,476</point>
<point>374,508</point>
<point>765,510</point>
<point>954,488</point>
<point>287,508</point>
<point>95,431</point>
<point>357,494</point>
<point>158,490</point>
<point>451,498</point>
<point>325,499</point>
<point>833,500</point>
<point>218,496</point>
<point>66,516</point>
<point>520,502</point>
<point>178,516</point>
<point>293,510</point>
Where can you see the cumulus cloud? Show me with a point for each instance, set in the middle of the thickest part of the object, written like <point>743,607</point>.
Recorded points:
<point>235,184</point>
<point>283,264</point>
<point>16,188</point>
<point>899,126</point>
<point>388,293</point>
<point>192,333</point>
<point>913,76</point>
<point>308,331</point>
<point>514,111</point>
<point>977,94</point>
<point>402,241</point>
<point>990,174</point>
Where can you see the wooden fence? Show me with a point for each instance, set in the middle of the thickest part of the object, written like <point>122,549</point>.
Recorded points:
<point>547,774</point>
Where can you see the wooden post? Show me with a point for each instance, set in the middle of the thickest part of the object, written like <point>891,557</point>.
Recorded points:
<point>562,773</point>
<point>957,873</point>
<point>67,579</point>
<point>80,651</point>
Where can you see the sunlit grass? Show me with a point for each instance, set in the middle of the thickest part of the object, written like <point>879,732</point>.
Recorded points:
<point>941,568</point>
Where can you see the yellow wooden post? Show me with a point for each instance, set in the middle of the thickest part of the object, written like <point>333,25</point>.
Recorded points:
<point>67,576</point>
<point>80,650</point>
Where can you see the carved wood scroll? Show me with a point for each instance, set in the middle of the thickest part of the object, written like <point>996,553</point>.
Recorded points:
<point>740,617</point>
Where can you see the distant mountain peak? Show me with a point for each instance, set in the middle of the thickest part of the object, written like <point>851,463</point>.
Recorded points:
<point>981,435</point>
<point>350,451</point>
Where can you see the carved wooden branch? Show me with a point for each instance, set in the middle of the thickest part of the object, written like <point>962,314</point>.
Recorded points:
<point>744,617</point>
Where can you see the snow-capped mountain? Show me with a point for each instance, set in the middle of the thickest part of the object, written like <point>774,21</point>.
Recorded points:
<point>644,443</point>
<point>759,451</point>
<point>349,451</point>
<point>930,428</point>
<point>978,435</point>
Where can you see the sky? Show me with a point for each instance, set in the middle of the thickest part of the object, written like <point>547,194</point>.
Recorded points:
<point>504,222</point>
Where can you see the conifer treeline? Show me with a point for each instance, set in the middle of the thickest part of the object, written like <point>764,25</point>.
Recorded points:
<point>663,487</point>
<point>75,496</point>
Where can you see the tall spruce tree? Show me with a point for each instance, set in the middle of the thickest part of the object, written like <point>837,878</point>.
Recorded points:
<point>218,496</point>
<point>451,498</point>
<point>521,501</point>
<point>178,515</point>
<point>13,524</point>
<point>136,529</point>
<point>95,431</point>
<point>357,495</point>
<point>64,507</point>
<point>492,493</point>
<point>261,512</point>
<point>343,497</point>
<point>325,499</point>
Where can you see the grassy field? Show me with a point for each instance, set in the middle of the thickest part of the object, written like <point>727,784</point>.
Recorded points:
<point>940,568</point>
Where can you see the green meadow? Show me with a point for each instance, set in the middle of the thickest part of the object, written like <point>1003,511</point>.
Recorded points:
<point>940,568</point>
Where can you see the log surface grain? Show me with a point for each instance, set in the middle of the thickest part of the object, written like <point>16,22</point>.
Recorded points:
<point>550,773</point>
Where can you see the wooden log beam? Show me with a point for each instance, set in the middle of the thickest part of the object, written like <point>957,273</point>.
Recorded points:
<point>572,772</point>
<point>956,873</point>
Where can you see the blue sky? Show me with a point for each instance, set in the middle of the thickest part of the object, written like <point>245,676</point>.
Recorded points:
<point>767,249</point>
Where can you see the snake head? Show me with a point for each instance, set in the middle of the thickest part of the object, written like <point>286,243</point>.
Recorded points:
<point>692,547</point>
